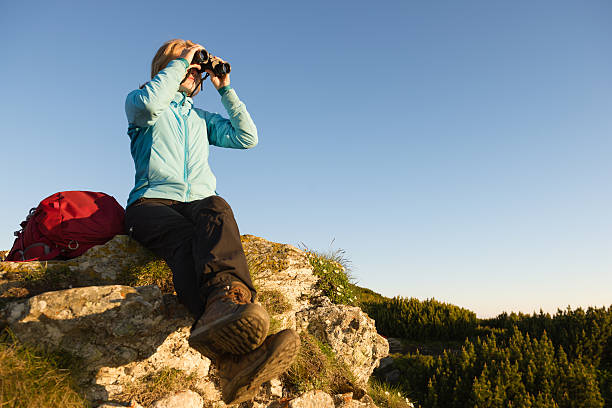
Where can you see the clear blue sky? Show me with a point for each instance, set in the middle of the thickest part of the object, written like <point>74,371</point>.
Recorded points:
<point>456,150</point>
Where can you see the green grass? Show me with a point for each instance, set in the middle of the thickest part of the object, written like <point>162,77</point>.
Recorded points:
<point>152,272</point>
<point>333,270</point>
<point>316,368</point>
<point>158,385</point>
<point>275,304</point>
<point>273,301</point>
<point>34,282</point>
<point>263,262</point>
<point>386,395</point>
<point>30,378</point>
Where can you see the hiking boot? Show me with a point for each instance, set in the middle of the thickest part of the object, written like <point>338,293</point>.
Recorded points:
<point>241,376</point>
<point>230,323</point>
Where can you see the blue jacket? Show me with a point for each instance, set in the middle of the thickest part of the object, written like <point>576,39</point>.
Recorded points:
<point>170,138</point>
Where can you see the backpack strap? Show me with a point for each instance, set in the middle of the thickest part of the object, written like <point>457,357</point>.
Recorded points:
<point>46,250</point>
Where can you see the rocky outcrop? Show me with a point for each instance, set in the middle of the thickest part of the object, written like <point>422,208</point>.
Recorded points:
<point>313,399</point>
<point>102,264</point>
<point>119,334</point>
<point>123,334</point>
<point>284,272</point>
<point>350,333</point>
<point>184,399</point>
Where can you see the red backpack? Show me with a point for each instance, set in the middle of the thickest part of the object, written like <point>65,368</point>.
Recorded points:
<point>67,224</point>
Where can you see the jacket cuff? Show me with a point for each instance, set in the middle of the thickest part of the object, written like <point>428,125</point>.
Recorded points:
<point>223,90</point>
<point>185,61</point>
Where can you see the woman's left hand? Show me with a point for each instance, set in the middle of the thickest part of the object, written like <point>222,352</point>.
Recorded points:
<point>218,82</point>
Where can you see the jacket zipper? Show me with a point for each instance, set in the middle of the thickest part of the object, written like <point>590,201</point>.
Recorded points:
<point>185,169</point>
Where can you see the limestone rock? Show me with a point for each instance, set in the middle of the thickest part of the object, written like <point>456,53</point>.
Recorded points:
<point>120,333</point>
<point>103,264</point>
<point>134,404</point>
<point>183,399</point>
<point>124,334</point>
<point>207,389</point>
<point>351,334</point>
<point>100,265</point>
<point>312,399</point>
<point>274,388</point>
<point>281,270</point>
<point>111,405</point>
<point>347,401</point>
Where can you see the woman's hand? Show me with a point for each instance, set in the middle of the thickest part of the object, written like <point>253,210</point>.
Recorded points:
<point>188,54</point>
<point>218,82</point>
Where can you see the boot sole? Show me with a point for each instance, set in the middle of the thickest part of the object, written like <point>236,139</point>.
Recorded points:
<point>279,357</point>
<point>235,334</point>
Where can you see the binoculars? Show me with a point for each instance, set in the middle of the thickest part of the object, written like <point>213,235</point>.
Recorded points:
<point>207,61</point>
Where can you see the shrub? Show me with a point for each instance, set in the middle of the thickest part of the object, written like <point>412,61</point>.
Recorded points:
<point>415,319</point>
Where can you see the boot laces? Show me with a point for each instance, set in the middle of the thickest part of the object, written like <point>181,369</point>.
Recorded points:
<point>235,294</point>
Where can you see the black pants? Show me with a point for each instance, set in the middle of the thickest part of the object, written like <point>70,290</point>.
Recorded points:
<point>199,241</point>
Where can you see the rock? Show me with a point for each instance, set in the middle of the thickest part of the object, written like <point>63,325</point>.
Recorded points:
<point>207,389</point>
<point>351,334</point>
<point>342,398</point>
<point>120,333</point>
<point>274,388</point>
<point>312,399</point>
<point>100,265</point>
<point>134,404</point>
<point>366,399</point>
<point>347,401</point>
<point>281,270</point>
<point>183,399</point>
<point>111,405</point>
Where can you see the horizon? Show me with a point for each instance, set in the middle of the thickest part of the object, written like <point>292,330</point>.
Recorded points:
<point>455,151</point>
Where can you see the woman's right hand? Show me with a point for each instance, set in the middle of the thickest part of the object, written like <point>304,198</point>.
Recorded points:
<point>188,54</point>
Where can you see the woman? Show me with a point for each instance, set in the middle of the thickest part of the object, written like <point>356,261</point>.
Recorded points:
<point>174,211</point>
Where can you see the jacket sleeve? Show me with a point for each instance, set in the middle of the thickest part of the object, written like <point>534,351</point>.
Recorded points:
<point>143,106</point>
<point>239,132</point>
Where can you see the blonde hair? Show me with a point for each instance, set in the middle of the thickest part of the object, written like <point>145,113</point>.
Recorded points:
<point>168,52</point>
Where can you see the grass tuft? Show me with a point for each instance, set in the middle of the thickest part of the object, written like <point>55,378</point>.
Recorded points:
<point>264,258</point>
<point>152,272</point>
<point>276,325</point>
<point>273,301</point>
<point>333,270</point>
<point>158,385</point>
<point>33,378</point>
<point>386,395</point>
<point>34,282</point>
<point>316,368</point>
